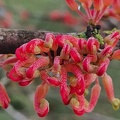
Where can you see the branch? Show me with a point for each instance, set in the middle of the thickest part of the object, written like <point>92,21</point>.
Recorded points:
<point>11,39</point>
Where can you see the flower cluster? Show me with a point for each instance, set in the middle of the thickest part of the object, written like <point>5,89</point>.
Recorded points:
<point>71,63</point>
<point>94,9</point>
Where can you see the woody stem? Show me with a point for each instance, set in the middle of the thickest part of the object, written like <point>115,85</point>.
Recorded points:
<point>11,39</point>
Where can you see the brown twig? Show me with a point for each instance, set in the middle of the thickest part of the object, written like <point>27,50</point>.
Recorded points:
<point>10,39</point>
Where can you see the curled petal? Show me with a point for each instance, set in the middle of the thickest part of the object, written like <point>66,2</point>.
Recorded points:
<point>21,66</point>
<point>12,74</point>
<point>65,92</point>
<point>75,55</point>
<point>41,62</point>
<point>87,64</point>
<point>4,98</point>
<point>112,39</point>
<point>44,108</point>
<point>102,68</point>
<point>21,53</point>
<point>71,40</point>
<point>56,64</point>
<point>25,82</point>
<point>53,81</point>
<point>50,80</point>
<point>59,41</point>
<point>92,45</point>
<point>49,39</point>
<point>78,105</point>
<point>95,93</point>
<point>65,52</point>
<point>80,86</point>
<point>116,55</point>
<point>8,64</point>
<point>106,52</point>
<point>63,75</point>
<point>34,46</point>
<point>82,45</point>
<point>40,104</point>
<point>72,4</point>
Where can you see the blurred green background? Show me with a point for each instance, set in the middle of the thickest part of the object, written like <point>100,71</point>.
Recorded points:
<point>37,17</point>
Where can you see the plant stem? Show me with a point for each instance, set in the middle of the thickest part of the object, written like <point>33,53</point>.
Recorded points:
<point>11,39</point>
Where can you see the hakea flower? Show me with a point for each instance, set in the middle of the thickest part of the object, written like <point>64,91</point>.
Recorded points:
<point>70,63</point>
<point>4,98</point>
<point>94,9</point>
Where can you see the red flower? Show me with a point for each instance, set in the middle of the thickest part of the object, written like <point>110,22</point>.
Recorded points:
<point>67,62</point>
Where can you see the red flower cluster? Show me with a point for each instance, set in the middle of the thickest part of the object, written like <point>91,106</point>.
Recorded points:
<point>67,62</point>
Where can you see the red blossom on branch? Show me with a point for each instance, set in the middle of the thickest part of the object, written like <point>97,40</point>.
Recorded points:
<point>69,62</point>
<point>53,59</point>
